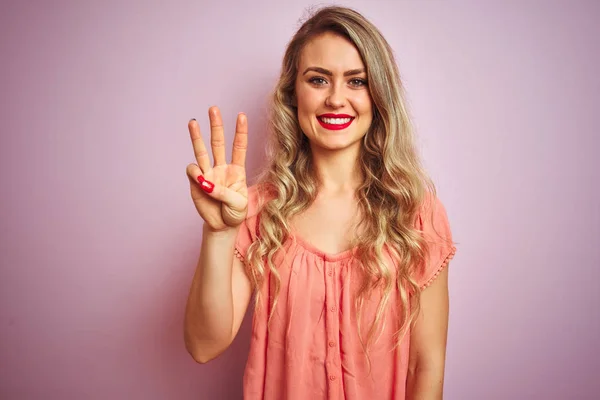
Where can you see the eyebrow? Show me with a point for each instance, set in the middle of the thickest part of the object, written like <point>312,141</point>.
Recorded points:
<point>329,73</point>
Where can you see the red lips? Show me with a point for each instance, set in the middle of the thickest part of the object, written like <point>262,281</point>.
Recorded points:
<point>335,127</point>
<point>335,116</point>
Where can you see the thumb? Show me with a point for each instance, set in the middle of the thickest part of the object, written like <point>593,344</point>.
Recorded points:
<point>223,194</point>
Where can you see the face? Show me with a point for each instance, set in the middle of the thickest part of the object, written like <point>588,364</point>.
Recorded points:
<point>334,104</point>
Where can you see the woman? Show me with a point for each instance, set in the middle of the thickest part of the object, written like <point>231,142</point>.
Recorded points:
<point>339,238</point>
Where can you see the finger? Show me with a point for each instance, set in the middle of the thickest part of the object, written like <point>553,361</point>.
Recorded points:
<point>193,172</point>
<point>223,194</point>
<point>240,141</point>
<point>217,136</point>
<point>199,148</point>
<point>239,186</point>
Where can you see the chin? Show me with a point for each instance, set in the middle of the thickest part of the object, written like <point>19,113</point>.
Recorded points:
<point>334,144</point>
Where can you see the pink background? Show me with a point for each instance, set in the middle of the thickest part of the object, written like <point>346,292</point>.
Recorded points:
<point>99,238</point>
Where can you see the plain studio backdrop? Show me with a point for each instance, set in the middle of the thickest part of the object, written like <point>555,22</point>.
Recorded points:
<point>99,237</point>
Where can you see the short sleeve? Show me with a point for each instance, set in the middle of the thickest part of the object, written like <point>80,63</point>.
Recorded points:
<point>243,241</point>
<point>433,222</point>
<point>248,230</point>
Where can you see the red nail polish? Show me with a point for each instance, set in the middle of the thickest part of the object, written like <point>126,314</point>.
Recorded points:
<point>200,179</point>
<point>207,186</point>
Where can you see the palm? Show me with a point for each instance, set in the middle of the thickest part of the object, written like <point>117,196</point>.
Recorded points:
<point>219,215</point>
<point>227,205</point>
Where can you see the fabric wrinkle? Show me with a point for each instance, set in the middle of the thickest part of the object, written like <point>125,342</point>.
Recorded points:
<point>311,349</point>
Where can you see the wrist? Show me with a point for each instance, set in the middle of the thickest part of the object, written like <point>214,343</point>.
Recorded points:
<point>219,233</point>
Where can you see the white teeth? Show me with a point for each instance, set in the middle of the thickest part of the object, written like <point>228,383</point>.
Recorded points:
<point>336,121</point>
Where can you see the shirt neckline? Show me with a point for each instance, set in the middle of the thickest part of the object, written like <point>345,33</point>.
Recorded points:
<point>330,257</point>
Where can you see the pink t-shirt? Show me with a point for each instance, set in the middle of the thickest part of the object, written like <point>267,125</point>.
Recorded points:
<point>312,350</point>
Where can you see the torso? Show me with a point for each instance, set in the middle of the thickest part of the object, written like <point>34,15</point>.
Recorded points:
<point>312,347</point>
<point>329,224</point>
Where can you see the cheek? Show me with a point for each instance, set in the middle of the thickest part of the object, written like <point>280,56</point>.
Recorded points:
<point>365,104</point>
<point>304,109</point>
<point>307,102</point>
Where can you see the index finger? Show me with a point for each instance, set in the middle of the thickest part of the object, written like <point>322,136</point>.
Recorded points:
<point>240,141</point>
<point>199,147</point>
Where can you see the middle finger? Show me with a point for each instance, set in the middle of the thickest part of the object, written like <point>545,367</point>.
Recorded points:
<point>217,136</point>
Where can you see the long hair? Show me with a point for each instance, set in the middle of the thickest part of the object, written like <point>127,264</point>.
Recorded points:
<point>394,187</point>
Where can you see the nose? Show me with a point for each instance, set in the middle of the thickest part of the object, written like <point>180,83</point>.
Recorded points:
<point>336,98</point>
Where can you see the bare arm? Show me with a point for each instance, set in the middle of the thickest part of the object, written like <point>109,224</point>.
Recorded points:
<point>218,299</point>
<point>220,290</point>
<point>428,343</point>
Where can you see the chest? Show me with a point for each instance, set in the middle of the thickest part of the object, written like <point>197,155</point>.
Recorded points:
<point>328,224</point>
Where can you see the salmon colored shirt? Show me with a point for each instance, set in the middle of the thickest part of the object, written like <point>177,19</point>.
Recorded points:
<point>312,349</point>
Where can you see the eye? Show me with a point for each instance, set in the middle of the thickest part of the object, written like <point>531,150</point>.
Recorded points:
<point>317,80</point>
<point>358,82</point>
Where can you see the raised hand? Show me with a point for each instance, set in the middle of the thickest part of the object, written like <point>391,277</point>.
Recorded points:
<point>220,193</point>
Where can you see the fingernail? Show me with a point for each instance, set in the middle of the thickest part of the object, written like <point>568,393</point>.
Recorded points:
<point>200,178</point>
<point>193,119</point>
<point>207,186</point>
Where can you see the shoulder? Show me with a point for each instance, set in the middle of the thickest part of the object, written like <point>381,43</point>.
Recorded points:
<point>432,222</point>
<point>258,196</point>
<point>432,219</point>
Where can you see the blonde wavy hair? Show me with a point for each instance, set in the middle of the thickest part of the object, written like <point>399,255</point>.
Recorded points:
<point>394,186</point>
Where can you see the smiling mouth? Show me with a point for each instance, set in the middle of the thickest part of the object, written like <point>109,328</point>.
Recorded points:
<point>335,124</point>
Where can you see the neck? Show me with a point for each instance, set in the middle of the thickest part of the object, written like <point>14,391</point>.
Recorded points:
<point>338,171</point>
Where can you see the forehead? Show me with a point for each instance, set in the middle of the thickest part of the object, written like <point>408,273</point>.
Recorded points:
<point>330,51</point>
